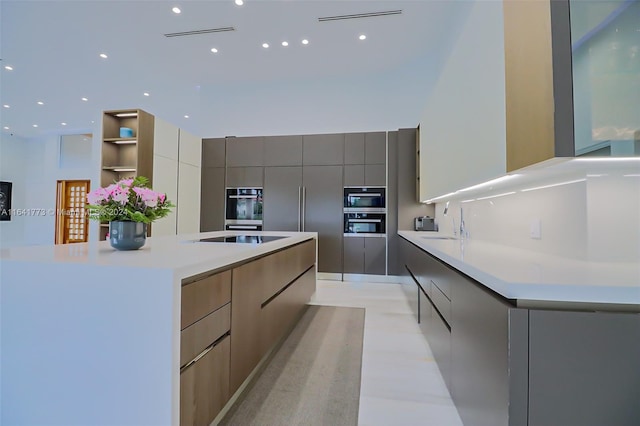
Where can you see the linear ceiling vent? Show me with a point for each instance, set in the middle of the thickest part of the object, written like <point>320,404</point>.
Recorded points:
<point>360,15</point>
<point>196,32</point>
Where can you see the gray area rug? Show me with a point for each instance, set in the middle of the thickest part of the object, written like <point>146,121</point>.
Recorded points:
<point>313,378</point>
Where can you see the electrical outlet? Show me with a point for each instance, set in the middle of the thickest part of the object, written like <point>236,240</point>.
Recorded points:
<point>535,229</point>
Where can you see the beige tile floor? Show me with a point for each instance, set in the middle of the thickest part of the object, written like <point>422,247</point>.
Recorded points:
<point>401,384</point>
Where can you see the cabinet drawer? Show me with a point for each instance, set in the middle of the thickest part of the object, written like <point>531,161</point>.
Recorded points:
<point>284,266</point>
<point>195,338</point>
<point>204,386</point>
<point>204,296</point>
<point>441,302</point>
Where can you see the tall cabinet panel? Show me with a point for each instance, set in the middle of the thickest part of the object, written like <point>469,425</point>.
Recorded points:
<point>189,183</point>
<point>282,201</point>
<point>212,194</point>
<point>212,199</point>
<point>322,204</point>
<point>165,172</point>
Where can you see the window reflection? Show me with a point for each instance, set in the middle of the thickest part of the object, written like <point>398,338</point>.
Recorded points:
<point>606,76</point>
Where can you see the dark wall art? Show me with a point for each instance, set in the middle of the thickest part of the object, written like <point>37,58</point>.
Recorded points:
<point>5,200</point>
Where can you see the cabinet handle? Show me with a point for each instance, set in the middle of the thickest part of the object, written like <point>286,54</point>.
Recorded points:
<point>204,352</point>
<point>304,207</point>
<point>299,206</point>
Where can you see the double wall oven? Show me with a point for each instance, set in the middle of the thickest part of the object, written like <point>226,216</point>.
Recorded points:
<point>243,209</point>
<point>365,211</point>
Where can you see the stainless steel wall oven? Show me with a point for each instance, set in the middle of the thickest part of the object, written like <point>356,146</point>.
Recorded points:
<point>243,209</point>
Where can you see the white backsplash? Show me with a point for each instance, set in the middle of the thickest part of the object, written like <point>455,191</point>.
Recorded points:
<point>596,218</point>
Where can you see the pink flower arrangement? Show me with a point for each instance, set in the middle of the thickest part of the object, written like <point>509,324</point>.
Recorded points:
<point>128,200</point>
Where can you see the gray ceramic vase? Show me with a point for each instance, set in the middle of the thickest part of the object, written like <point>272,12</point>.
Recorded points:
<point>127,235</point>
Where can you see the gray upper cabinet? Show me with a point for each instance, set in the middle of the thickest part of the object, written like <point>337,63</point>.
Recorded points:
<point>375,148</point>
<point>375,175</point>
<point>245,151</point>
<point>321,150</point>
<point>238,177</point>
<point>213,152</point>
<point>354,148</point>
<point>283,151</point>
<point>354,175</point>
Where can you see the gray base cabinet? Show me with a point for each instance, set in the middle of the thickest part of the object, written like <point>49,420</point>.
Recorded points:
<point>364,255</point>
<point>505,365</point>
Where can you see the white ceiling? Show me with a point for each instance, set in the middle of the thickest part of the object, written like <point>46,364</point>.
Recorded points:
<point>335,83</point>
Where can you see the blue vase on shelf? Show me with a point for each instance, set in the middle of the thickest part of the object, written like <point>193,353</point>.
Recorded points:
<point>127,235</point>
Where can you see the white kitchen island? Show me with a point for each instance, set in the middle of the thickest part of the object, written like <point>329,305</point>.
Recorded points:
<point>91,335</point>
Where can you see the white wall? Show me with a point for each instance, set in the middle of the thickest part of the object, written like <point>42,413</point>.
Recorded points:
<point>13,159</point>
<point>462,128</point>
<point>36,166</point>
<point>596,218</point>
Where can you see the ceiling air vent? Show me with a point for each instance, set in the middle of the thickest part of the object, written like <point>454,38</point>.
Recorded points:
<point>196,32</point>
<point>360,15</point>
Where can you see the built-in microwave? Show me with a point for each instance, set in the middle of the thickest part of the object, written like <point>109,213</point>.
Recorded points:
<point>244,209</point>
<point>364,224</point>
<point>364,197</point>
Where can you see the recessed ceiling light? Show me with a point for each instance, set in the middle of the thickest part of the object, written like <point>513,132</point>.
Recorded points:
<point>305,41</point>
<point>285,43</point>
<point>8,67</point>
<point>103,56</point>
<point>85,99</point>
<point>362,37</point>
<point>146,93</point>
<point>186,116</point>
<point>35,125</point>
<point>6,127</point>
<point>40,103</point>
<point>6,106</point>
<point>63,123</point>
<point>265,45</point>
<point>176,10</point>
<point>239,2</point>
<point>214,50</point>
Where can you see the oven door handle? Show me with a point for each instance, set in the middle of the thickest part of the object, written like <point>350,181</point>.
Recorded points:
<point>243,196</point>
<point>365,220</point>
<point>364,194</point>
<point>254,227</point>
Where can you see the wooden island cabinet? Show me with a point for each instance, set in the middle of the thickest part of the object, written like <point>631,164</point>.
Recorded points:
<point>232,319</point>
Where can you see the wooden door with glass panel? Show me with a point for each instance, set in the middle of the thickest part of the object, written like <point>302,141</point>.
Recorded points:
<point>72,222</point>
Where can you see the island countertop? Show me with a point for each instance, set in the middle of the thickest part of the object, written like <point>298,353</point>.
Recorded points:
<point>533,279</point>
<point>86,328</point>
<point>183,254</point>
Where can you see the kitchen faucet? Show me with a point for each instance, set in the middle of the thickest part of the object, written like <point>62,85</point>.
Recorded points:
<point>463,231</point>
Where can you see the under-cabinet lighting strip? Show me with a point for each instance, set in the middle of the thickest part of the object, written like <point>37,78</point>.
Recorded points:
<point>496,196</point>
<point>126,142</point>
<point>127,114</point>
<point>554,184</point>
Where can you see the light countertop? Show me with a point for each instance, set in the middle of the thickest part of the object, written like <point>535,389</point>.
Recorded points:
<point>181,253</point>
<point>533,278</point>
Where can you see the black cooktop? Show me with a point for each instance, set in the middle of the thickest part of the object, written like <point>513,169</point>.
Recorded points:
<point>243,239</point>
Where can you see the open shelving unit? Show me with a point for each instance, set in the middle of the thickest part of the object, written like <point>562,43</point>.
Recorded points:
<point>126,157</point>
